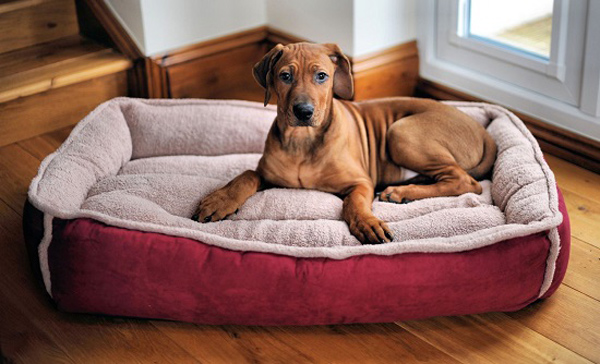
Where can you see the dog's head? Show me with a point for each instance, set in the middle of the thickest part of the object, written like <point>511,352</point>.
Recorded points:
<point>305,77</point>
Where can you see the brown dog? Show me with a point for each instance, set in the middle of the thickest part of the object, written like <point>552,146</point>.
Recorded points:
<point>353,148</point>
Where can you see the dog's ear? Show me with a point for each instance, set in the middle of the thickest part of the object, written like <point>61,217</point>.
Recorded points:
<point>343,84</point>
<point>263,70</point>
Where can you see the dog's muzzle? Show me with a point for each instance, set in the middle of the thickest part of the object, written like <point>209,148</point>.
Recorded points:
<point>304,112</point>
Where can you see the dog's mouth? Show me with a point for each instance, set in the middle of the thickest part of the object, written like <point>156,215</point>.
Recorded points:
<point>303,123</point>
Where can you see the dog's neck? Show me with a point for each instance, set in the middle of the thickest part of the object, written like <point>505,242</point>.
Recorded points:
<point>307,140</point>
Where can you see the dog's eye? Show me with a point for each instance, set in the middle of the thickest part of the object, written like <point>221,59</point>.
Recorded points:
<point>285,77</point>
<point>321,77</point>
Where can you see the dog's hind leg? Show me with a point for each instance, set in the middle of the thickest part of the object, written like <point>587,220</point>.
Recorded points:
<point>451,180</point>
<point>416,148</point>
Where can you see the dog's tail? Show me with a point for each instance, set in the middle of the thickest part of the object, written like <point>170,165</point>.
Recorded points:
<point>487,160</point>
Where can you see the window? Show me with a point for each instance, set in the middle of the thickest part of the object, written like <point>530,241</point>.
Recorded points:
<point>528,28</point>
<point>540,57</point>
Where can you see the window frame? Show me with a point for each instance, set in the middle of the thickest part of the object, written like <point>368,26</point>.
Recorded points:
<point>553,66</point>
<point>579,114</point>
<point>557,78</point>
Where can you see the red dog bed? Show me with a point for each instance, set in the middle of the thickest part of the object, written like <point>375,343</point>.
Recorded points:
<point>108,228</point>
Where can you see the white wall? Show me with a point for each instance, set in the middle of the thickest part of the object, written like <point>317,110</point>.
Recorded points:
<point>358,26</point>
<point>322,21</point>
<point>129,14</point>
<point>176,23</point>
<point>380,24</point>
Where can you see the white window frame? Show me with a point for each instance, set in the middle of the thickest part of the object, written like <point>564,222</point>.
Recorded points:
<point>554,66</point>
<point>563,90</point>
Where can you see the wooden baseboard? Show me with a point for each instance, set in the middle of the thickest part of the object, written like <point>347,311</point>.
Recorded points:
<point>28,23</point>
<point>391,72</point>
<point>221,68</point>
<point>575,148</point>
<point>218,68</point>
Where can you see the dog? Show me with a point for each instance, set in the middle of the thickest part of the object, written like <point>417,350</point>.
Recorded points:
<point>353,149</point>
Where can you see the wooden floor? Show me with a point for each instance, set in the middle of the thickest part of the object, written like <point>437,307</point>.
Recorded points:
<point>563,328</point>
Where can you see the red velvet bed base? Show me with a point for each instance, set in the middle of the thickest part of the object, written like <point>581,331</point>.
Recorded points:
<point>97,268</point>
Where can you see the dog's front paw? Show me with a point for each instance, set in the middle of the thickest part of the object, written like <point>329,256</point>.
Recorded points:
<point>371,230</point>
<point>215,207</point>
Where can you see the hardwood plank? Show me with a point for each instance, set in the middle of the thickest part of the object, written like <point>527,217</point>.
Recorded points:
<point>585,217</point>
<point>365,343</point>
<point>44,22</point>
<point>584,268</point>
<point>45,54</point>
<point>489,338</point>
<point>26,117</point>
<point>574,178</point>
<point>569,318</point>
<point>67,72</point>
<point>42,145</point>
<point>22,342</point>
<point>320,344</point>
<point>12,5</point>
<point>209,344</point>
<point>17,169</point>
<point>221,344</point>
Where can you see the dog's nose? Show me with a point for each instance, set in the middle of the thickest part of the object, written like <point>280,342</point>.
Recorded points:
<point>304,111</point>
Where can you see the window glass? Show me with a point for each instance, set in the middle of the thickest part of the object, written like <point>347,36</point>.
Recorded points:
<point>525,25</point>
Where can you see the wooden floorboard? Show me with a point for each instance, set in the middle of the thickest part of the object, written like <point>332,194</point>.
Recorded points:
<point>585,217</point>
<point>322,344</point>
<point>584,269</point>
<point>562,328</point>
<point>490,338</point>
<point>575,179</point>
<point>569,318</point>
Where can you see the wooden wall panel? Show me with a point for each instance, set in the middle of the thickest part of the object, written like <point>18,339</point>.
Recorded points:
<point>398,78</point>
<point>391,72</point>
<point>29,116</point>
<point>47,21</point>
<point>223,75</point>
<point>222,68</point>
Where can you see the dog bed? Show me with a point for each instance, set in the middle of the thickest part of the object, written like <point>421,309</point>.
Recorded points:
<point>108,226</point>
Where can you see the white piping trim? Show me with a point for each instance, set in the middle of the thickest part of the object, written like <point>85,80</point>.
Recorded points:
<point>43,252</point>
<point>553,252</point>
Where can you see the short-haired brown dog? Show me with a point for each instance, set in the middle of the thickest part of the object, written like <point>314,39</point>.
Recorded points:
<point>354,148</point>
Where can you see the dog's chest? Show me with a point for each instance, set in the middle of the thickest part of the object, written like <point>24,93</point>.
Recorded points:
<point>299,173</point>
